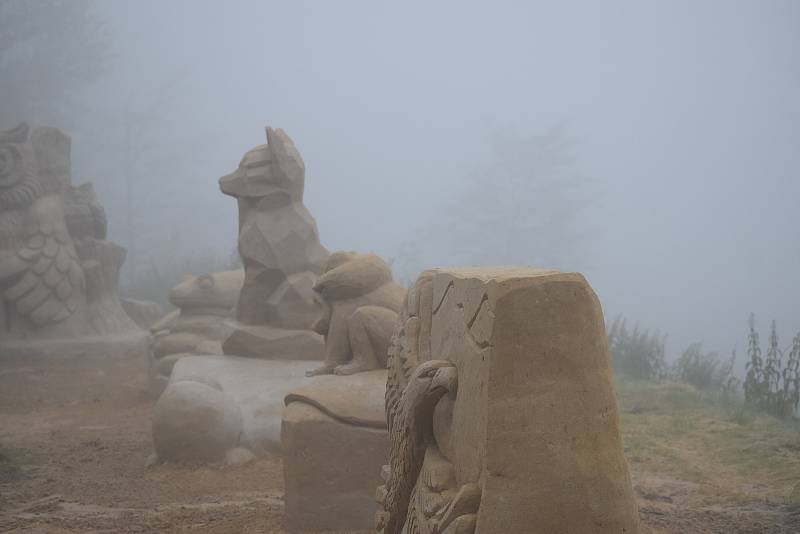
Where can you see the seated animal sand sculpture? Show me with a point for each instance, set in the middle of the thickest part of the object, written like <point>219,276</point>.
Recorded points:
<point>328,417</point>
<point>58,273</point>
<point>361,305</point>
<point>201,323</point>
<point>501,411</point>
<point>280,249</point>
<point>271,344</point>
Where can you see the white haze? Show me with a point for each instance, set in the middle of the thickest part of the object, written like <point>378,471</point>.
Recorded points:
<point>685,118</point>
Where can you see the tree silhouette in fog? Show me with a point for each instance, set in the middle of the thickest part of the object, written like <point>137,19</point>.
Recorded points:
<point>523,206</point>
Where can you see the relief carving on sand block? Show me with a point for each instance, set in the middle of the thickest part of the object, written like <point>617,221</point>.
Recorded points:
<point>421,494</point>
<point>501,411</point>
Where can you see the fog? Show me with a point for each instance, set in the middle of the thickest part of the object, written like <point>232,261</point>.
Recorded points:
<point>677,197</point>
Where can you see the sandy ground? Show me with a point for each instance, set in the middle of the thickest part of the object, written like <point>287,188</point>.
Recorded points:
<point>79,466</point>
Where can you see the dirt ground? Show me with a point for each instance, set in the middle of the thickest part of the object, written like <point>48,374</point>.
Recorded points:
<point>73,456</point>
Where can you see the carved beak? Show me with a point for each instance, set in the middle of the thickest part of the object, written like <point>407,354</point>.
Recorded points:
<point>445,380</point>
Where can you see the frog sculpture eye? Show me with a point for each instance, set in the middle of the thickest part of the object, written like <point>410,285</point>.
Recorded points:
<point>205,281</point>
<point>10,166</point>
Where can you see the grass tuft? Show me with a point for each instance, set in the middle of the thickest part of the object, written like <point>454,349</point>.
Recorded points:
<point>717,442</point>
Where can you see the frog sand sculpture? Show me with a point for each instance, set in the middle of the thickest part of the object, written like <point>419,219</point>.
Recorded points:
<point>203,319</point>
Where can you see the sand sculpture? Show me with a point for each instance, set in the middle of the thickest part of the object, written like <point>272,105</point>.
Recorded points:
<point>58,272</point>
<point>211,400</point>
<point>216,404</point>
<point>501,411</point>
<point>202,321</point>
<point>280,249</point>
<point>327,418</point>
<point>361,305</point>
<point>196,422</point>
<point>334,443</point>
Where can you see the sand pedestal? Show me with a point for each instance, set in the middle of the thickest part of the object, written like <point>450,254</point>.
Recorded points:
<point>334,441</point>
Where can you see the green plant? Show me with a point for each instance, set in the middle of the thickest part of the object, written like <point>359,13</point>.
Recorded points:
<point>728,382</point>
<point>754,379</point>
<point>772,371</point>
<point>694,367</point>
<point>637,353</point>
<point>771,384</point>
<point>739,413</point>
<point>706,371</point>
<point>791,375</point>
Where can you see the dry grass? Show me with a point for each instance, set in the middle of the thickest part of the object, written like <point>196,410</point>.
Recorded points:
<point>77,466</point>
<point>731,454</point>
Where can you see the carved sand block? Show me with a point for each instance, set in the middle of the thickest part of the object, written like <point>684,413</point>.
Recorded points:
<point>334,443</point>
<point>501,410</point>
<point>223,408</point>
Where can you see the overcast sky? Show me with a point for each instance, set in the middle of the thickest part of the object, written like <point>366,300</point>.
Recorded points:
<point>685,116</point>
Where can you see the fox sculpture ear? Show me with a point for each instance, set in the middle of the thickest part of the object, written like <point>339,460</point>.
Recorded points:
<point>271,137</point>
<point>282,148</point>
<point>290,164</point>
<point>277,141</point>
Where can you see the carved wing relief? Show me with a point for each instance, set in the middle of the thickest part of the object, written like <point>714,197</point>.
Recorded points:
<point>421,494</point>
<point>47,282</point>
